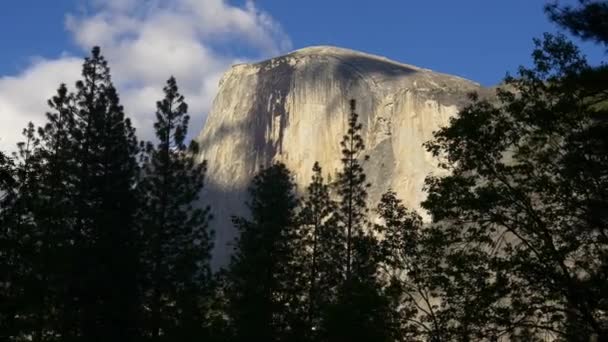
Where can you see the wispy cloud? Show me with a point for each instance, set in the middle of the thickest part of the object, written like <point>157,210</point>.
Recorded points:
<point>145,42</point>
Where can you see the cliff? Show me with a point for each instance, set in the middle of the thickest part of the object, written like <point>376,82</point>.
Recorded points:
<point>294,109</point>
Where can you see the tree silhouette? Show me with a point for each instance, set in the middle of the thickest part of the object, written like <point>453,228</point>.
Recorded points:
<point>360,310</point>
<point>352,190</point>
<point>265,294</point>
<point>405,257</point>
<point>175,238</point>
<point>323,244</point>
<point>587,21</point>
<point>103,288</point>
<point>19,237</point>
<point>525,203</point>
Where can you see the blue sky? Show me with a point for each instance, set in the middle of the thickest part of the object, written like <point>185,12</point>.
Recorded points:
<point>196,40</point>
<point>476,39</point>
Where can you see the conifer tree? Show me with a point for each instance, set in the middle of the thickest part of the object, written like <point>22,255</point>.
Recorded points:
<point>8,306</point>
<point>27,236</point>
<point>6,175</point>
<point>352,191</point>
<point>18,236</point>
<point>36,217</point>
<point>103,287</point>
<point>323,243</point>
<point>264,289</point>
<point>175,237</point>
<point>7,190</point>
<point>360,310</point>
<point>53,212</point>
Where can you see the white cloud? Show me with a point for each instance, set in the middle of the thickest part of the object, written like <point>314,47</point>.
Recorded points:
<point>145,42</point>
<point>23,98</point>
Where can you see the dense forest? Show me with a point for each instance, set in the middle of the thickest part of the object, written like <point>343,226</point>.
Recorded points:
<point>102,237</point>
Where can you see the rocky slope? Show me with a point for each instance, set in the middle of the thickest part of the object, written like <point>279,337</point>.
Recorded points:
<point>294,109</point>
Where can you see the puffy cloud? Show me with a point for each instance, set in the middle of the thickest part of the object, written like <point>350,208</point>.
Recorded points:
<point>145,42</point>
<point>23,98</point>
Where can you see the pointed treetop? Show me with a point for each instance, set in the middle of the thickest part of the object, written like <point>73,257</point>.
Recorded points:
<point>96,51</point>
<point>316,167</point>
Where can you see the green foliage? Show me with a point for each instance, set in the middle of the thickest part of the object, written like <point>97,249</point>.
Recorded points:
<point>360,311</point>
<point>8,304</point>
<point>19,238</point>
<point>322,247</point>
<point>401,268</point>
<point>87,238</point>
<point>587,21</point>
<point>175,241</point>
<point>103,288</point>
<point>96,245</point>
<point>69,220</point>
<point>523,213</point>
<point>53,211</point>
<point>6,174</point>
<point>352,191</point>
<point>265,291</point>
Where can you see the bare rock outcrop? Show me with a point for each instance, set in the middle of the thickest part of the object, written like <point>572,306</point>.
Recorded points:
<point>294,109</point>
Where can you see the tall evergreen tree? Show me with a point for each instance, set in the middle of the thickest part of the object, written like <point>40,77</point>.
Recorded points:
<point>352,191</point>
<point>360,310</point>
<point>102,284</point>
<point>8,306</point>
<point>6,175</point>
<point>176,240</point>
<point>53,212</point>
<point>18,238</point>
<point>323,243</point>
<point>36,218</point>
<point>264,290</point>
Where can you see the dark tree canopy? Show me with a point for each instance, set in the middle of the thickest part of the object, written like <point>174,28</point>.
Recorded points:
<point>526,202</point>
<point>105,149</point>
<point>105,239</point>
<point>174,237</point>
<point>588,21</point>
<point>352,192</point>
<point>322,247</point>
<point>264,291</point>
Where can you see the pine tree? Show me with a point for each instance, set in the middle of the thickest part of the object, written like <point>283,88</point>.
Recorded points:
<point>27,237</point>
<point>36,219</point>
<point>360,310</point>
<point>21,243</point>
<point>176,240</point>
<point>324,248</point>
<point>8,306</point>
<point>102,284</point>
<point>6,175</point>
<point>352,191</point>
<point>53,213</point>
<point>264,292</point>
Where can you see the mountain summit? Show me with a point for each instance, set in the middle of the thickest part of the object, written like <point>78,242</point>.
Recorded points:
<point>294,109</point>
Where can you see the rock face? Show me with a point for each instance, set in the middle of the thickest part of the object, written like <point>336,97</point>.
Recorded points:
<point>294,109</point>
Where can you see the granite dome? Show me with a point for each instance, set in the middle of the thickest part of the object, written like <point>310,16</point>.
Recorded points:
<point>294,109</point>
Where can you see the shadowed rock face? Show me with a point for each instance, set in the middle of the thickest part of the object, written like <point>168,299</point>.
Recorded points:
<point>294,109</point>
